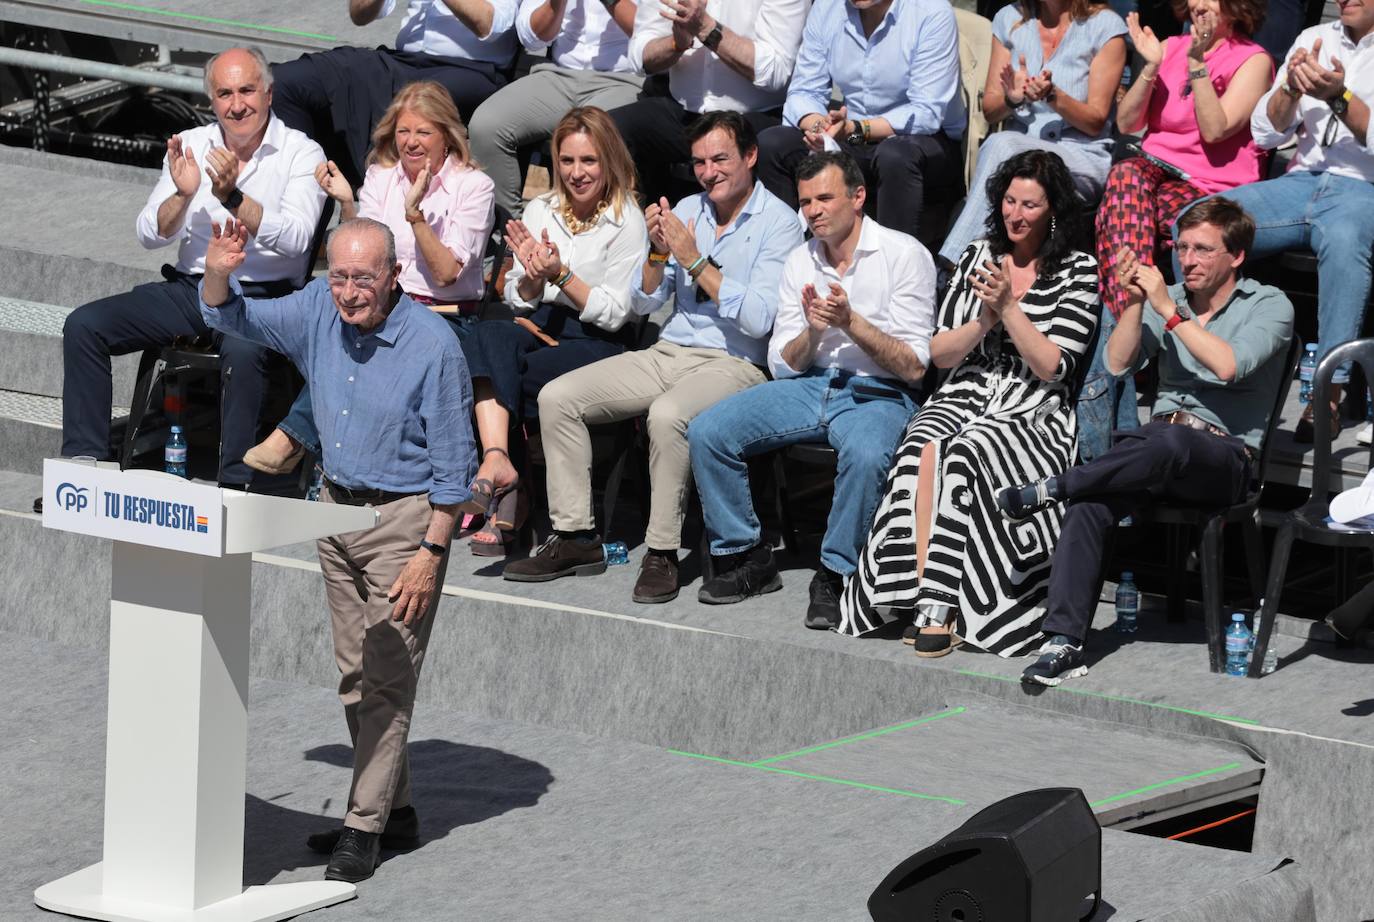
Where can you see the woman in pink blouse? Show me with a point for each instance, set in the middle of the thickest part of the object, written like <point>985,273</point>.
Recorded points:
<point>423,184</point>
<point>1193,97</point>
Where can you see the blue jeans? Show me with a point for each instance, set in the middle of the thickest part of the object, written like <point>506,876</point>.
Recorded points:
<point>1105,403</point>
<point>1331,216</point>
<point>862,418</point>
<point>300,419</point>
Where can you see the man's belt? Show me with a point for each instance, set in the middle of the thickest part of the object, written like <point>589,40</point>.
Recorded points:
<point>359,497</point>
<point>1184,418</point>
<point>462,308</point>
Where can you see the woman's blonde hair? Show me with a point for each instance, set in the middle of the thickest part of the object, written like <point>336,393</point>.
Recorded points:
<point>617,169</point>
<point>431,102</point>
<point>1079,10</point>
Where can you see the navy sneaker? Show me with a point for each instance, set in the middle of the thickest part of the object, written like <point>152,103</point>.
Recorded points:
<point>741,576</point>
<point>1059,659</point>
<point>1018,503</point>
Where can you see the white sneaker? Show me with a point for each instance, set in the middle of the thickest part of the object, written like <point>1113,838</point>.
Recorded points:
<point>1366,435</point>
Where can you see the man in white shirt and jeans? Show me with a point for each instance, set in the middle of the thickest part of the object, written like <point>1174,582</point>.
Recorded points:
<point>850,344</point>
<point>247,166</point>
<point>730,55</point>
<point>589,66</point>
<point>1324,201</point>
<point>337,96</point>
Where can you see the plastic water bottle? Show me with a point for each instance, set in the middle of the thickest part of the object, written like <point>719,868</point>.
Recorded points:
<point>1238,638</point>
<point>616,553</point>
<point>1127,604</point>
<point>1307,369</point>
<point>1271,656</point>
<point>174,453</point>
<point>312,492</point>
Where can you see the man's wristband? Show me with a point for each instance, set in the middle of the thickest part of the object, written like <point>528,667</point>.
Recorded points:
<point>657,259</point>
<point>695,268</point>
<point>438,550</point>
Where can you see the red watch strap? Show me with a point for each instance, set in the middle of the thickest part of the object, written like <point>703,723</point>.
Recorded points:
<point>1173,321</point>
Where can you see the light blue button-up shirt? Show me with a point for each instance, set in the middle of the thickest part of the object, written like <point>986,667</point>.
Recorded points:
<point>751,254</point>
<point>907,71</point>
<point>392,405</point>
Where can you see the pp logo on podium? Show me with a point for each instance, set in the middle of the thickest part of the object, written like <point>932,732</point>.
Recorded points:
<point>73,498</point>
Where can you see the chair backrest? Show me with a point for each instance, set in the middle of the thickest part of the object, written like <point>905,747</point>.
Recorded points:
<point>1360,351</point>
<point>1290,368</point>
<point>975,50</point>
<point>494,255</point>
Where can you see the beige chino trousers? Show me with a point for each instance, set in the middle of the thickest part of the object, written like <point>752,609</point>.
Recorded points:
<point>672,384</point>
<point>379,659</point>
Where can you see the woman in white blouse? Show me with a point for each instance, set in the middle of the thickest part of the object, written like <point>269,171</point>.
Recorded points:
<point>577,252</point>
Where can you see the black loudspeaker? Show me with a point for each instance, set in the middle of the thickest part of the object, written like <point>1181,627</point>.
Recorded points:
<point>1034,857</point>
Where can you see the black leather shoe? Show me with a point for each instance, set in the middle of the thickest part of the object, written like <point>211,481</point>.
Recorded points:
<point>402,834</point>
<point>823,613</point>
<point>38,505</point>
<point>355,857</point>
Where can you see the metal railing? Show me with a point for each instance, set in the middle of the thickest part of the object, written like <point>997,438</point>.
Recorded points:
<point>35,60</point>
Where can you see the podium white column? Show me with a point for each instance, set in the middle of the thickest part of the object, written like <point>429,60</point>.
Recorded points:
<point>177,733</point>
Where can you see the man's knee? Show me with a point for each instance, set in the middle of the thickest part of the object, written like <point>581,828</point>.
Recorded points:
<point>558,399</point>
<point>243,356</point>
<point>83,327</point>
<point>898,155</point>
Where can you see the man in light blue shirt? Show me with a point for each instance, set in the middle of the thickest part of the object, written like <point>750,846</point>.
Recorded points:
<point>392,402</point>
<point>717,257</point>
<point>896,62</point>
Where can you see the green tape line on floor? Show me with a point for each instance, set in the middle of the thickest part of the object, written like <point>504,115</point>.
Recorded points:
<point>1165,784</point>
<point>842,781</point>
<point>860,736</point>
<point>1094,694</point>
<point>172,14</point>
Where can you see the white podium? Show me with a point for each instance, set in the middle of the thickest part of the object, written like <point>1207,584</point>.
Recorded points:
<point>177,735</point>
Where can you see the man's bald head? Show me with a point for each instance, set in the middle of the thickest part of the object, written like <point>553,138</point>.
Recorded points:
<point>251,60</point>
<point>363,235</point>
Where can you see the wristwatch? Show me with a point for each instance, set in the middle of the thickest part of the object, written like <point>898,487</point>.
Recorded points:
<point>1180,315</point>
<point>438,550</point>
<point>712,39</point>
<point>1341,104</point>
<point>233,200</point>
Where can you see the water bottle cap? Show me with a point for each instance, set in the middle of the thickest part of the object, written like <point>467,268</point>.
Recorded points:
<point>176,430</point>
<point>1311,347</point>
<point>1238,617</point>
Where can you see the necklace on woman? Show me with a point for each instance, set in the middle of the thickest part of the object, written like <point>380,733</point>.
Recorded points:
<point>578,225</point>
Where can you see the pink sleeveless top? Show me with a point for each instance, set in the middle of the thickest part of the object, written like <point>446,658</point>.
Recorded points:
<point>1172,133</point>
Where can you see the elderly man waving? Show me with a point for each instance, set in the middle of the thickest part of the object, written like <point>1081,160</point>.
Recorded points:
<point>392,400</point>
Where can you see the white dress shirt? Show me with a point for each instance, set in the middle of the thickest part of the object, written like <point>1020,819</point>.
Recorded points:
<point>607,258</point>
<point>280,177</point>
<point>701,82</point>
<point>1345,156</point>
<point>431,28</point>
<point>587,39</point>
<point>890,283</point>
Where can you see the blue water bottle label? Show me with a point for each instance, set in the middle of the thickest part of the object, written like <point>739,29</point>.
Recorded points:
<point>173,455</point>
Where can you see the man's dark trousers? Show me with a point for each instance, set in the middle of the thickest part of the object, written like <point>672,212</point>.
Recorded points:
<point>1159,462</point>
<point>149,316</point>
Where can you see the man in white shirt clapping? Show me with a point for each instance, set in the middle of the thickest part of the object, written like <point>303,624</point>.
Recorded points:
<point>850,344</point>
<point>247,166</point>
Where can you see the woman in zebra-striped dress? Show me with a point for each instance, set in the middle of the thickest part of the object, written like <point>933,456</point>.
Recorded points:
<point>1014,326</point>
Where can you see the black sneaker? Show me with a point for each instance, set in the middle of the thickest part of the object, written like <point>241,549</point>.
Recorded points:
<point>559,556</point>
<point>1018,503</point>
<point>823,614</point>
<point>1059,660</point>
<point>740,576</point>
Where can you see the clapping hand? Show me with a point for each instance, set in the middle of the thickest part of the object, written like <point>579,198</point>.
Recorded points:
<point>832,310</point>
<point>687,15</point>
<point>1314,80</point>
<point>540,256</point>
<point>991,285</point>
<point>667,233</point>
<point>331,180</point>
<point>181,164</point>
<point>1014,82</point>
<point>224,172</point>
<point>1204,28</point>
<point>833,124</point>
<point>417,191</point>
<point>813,307</point>
<point>226,250</point>
<point>1141,280</point>
<point>1144,40</point>
<point>1039,87</point>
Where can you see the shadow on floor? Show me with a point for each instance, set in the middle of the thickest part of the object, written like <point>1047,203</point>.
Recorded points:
<point>454,785</point>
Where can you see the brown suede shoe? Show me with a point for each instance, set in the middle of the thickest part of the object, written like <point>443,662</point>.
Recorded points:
<point>657,578</point>
<point>558,556</point>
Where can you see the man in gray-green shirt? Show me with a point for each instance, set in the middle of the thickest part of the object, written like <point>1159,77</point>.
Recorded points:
<point>1222,342</point>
